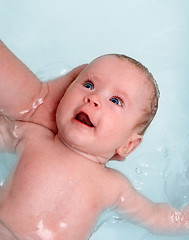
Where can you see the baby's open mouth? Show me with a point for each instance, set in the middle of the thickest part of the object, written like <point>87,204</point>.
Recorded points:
<point>84,118</point>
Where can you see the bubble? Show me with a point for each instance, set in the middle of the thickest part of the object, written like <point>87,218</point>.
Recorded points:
<point>138,170</point>
<point>160,149</point>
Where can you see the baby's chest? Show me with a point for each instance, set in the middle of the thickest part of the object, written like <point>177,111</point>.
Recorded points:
<point>52,196</point>
<point>43,180</point>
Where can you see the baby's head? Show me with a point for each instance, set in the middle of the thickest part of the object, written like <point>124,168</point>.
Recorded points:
<point>150,111</point>
<point>108,107</point>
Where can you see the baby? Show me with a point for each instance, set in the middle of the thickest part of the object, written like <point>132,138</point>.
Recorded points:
<point>64,131</point>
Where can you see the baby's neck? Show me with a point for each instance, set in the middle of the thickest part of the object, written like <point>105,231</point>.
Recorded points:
<point>96,159</point>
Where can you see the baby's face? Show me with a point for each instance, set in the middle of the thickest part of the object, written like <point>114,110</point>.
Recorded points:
<point>100,108</point>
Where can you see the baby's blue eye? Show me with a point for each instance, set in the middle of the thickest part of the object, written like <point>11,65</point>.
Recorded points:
<point>116,100</point>
<point>89,85</point>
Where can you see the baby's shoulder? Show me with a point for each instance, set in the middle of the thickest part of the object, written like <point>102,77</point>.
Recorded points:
<point>116,183</point>
<point>118,177</point>
<point>29,134</point>
<point>32,138</point>
<point>26,130</point>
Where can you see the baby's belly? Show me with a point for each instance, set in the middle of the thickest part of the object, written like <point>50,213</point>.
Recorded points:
<point>49,201</point>
<point>47,226</point>
<point>70,220</point>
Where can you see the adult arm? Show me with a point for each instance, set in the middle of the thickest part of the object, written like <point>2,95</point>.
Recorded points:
<point>19,87</point>
<point>45,114</point>
<point>24,97</point>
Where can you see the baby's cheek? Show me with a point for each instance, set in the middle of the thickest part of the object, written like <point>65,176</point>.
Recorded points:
<point>62,115</point>
<point>59,122</point>
<point>60,126</point>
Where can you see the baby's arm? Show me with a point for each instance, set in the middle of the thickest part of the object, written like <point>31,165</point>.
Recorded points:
<point>156,217</point>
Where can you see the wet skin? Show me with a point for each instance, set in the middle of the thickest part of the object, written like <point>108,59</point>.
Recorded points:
<point>61,184</point>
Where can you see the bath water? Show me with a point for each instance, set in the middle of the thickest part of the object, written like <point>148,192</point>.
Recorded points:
<point>51,37</point>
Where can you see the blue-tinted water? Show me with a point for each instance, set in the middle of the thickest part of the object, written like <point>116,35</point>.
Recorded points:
<point>45,33</point>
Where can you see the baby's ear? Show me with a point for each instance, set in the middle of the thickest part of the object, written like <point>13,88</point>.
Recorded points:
<point>130,146</point>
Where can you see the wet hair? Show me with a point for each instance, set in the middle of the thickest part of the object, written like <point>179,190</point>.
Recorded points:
<point>148,114</point>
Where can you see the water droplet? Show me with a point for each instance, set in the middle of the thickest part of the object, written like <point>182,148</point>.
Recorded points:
<point>138,170</point>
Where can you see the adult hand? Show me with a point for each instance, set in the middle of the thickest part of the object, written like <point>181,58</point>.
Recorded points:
<point>45,114</point>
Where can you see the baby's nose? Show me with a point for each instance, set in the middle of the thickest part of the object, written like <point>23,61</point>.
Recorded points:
<point>93,99</point>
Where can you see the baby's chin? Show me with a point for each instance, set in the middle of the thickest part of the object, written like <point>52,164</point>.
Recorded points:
<point>84,154</point>
<point>117,157</point>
